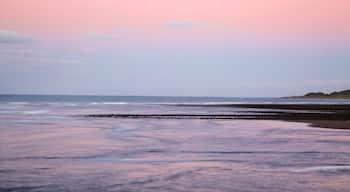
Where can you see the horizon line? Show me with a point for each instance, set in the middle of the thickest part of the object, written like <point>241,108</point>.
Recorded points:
<point>107,95</point>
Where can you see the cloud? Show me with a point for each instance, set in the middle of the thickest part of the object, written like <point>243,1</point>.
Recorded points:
<point>178,24</point>
<point>9,37</point>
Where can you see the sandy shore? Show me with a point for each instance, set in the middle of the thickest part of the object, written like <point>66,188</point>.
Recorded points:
<point>312,107</point>
<point>331,124</point>
<point>336,116</point>
<point>318,115</point>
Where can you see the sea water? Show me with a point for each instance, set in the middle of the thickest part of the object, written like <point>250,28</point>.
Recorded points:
<point>47,144</point>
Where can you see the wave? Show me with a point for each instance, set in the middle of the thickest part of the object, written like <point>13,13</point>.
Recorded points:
<point>326,169</point>
<point>18,103</point>
<point>108,103</point>
<point>36,112</point>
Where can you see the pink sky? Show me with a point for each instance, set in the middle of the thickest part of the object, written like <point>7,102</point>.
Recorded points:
<point>191,47</point>
<point>267,17</point>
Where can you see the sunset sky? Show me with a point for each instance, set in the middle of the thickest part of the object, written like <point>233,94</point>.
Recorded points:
<point>232,48</point>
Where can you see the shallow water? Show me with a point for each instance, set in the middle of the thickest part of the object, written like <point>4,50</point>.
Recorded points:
<point>49,146</point>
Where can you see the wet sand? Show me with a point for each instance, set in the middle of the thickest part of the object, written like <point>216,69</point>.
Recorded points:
<point>326,116</point>
<point>54,148</point>
<point>338,116</point>
<point>328,107</point>
<point>330,124</point>
<point>317,115</point>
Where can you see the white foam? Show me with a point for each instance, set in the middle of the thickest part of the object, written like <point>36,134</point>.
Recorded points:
<point>323,169</point>
<point>18,103</point>
<point>35,112</point>
<point>108,103</point>
<point>70,104</point>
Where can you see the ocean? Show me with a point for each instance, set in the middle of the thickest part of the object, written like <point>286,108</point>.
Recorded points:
<point>48,144</point>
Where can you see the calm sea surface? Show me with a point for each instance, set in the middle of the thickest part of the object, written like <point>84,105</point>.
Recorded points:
<point>46,144</point>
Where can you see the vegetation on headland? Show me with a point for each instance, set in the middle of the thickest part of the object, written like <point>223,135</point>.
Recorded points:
<point>334,95</point>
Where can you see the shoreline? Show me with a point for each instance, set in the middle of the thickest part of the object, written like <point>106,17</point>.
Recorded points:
<point>335,116</point>
<point>311,107</point>
<point>316,97</point>
<point>328,124</point>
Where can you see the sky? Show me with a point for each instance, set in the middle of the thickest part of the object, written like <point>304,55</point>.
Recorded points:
<point>229,48</point>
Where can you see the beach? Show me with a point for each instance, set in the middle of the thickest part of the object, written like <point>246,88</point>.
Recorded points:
<point>334,116</point>
<point>172,144</point>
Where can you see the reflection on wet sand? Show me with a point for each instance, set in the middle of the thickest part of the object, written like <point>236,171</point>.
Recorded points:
<point>172,155</point>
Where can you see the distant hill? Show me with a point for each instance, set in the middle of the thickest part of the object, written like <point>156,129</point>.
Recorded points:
<point>334,95</point>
